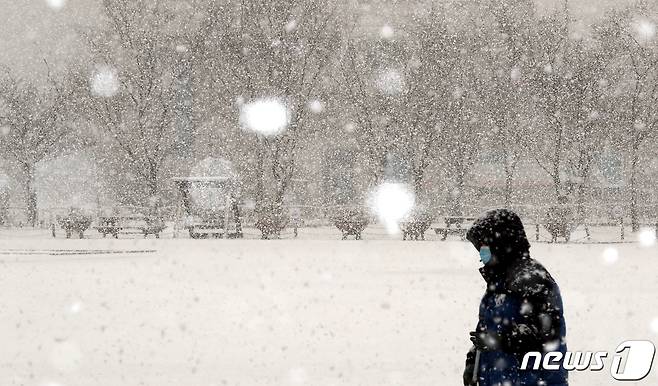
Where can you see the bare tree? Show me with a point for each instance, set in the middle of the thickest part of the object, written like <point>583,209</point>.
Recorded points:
<point>505,84</point>
<point>280,49</point>
<point>426,106</point>
<point>634,75</point>
<point>463,129</point>
<point>367,105</point>
<point>133,93</point>
<point>34,121</point>
<point>403,94</point>
<point>566,75</point>
<point>460,136</point>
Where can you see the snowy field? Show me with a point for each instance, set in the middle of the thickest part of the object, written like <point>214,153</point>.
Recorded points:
<point>286,312</point>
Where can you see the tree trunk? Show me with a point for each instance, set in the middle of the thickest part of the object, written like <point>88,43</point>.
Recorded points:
<point>557,161</point>
<point>153,200</point>
<point>260,175</point>
<point>635,221</point>
<point>282,181</point>
<point>30,195</point>
<point>456,205</point>
<point>4,206</point>
<point>557,185</point>
<point>585,169</point>
<point>280,195</point>
<point>418,175</point>
<point>235,209</point>
<point>509,184</point>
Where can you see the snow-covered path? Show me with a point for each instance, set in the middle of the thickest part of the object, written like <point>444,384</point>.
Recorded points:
<point>313,312</point>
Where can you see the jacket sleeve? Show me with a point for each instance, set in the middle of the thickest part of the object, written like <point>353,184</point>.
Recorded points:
<point>539,326</point>
<point>469,368</point>
<point>470,357</point>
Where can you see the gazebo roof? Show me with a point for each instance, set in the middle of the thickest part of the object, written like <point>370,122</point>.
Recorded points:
<point>207,181</point>
<point>203,179</point>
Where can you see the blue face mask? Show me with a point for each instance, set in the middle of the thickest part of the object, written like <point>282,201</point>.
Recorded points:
<point>485,255</point>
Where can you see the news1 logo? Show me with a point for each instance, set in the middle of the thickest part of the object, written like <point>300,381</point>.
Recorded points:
<point>632,360</point>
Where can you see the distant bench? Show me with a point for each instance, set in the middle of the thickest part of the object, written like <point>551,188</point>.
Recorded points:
<point>132,224</point>
<point>458,229</point>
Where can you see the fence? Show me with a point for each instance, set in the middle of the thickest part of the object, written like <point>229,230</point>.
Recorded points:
<point>604,214</point>
<point>614,215</point>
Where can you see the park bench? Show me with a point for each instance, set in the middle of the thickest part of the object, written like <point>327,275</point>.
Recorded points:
<point>129,224</point>
<point>212,224</point>
<point>458,229</point>
<point>202,220</point>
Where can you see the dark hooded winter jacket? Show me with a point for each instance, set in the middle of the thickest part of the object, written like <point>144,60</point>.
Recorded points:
<point>521,309</point>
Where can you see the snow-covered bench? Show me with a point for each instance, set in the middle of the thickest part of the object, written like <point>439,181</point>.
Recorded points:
<point>131,224</point>
<point>458,230</point>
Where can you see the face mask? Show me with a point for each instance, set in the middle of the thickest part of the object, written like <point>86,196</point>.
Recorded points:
<point>485,255</point>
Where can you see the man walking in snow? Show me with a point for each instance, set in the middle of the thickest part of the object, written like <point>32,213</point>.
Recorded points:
<point>520,312</point>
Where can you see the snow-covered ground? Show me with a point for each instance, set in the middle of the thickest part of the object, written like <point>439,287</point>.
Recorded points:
<point>184,312</point>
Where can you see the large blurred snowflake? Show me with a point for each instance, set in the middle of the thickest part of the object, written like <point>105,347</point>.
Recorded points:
<point>645,29</point>
<point>56,4</point>
<point>390,81</point>
<point>647,237</point>
<point>266,116</point>
<point>391,202</point>
<point>105,82</point>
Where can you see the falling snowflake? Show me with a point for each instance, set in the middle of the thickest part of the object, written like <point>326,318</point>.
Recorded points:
<point>387,32</point>
<point>75,308</point>
<point>645,29</point>
<point>392,202</point>
<point>458,92</point>
<point>390,81</point>
<point>65,357</point>
<point>267,116</point>
<point>291,25</point>
<point>553,345</point>
<point>610,255</point>
<point>515,74</point>
<point>526,308</point>
<point>415,63</point>
<point>56,4</point>
<point>50,383</point>
<point>647,237</point>
<point>297,376</point>
<point>105,82</point>
<point>316,106</point>
<point>654,325</point>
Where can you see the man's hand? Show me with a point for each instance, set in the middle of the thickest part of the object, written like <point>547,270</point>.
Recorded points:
<point>486,340</point>
<point>468,375</point>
